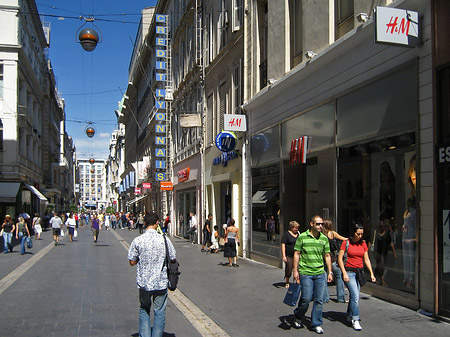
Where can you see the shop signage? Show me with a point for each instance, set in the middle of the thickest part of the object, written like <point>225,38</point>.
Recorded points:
<point>234,122</point>
<point>183,174</point>
<point>397,26</point>
<point>114,202</point>
<point>166,186</point>
<point>226,141</point>
<point>443,155</point>
<point>299,149</point>
<point>224,158</point>
<point>163,93</point>
<point>147,186</point>
<point>137,190</point>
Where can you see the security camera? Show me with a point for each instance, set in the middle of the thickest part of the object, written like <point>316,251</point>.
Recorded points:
<point>362,17</point>
<point>310,54</point>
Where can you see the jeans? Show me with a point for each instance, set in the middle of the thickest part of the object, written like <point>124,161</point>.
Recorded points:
<point>7,239</point>
<point>23,242</point>
<point>159,298</point>
<point>353,289</point>
<point>340,288</point>
<point>313,287</point>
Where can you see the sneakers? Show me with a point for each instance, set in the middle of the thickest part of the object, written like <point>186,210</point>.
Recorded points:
<point>356,325</point>
<point>318,329</point>
<point>297,325</point>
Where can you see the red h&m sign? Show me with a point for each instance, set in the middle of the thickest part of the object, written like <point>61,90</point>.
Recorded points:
<point>299,149</point>
<point>137,190</point>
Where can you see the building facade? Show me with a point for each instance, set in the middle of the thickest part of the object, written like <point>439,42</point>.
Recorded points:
<point>35,151</point>
<point>365,109</point>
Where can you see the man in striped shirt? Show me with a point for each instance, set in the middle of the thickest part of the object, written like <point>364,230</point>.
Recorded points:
<point>311,248</point>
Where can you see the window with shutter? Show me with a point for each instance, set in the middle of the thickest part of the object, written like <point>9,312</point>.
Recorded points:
<point>209,120</point>
<point>222,104</point>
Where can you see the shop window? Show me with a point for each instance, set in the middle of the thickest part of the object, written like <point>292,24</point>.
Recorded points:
<point>381,107</point>
<point>317,124</point>
<point>376,188</point>
<point>265,146</point>
<point>265,210</point>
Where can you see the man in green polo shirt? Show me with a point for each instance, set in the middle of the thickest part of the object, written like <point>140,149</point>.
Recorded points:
<point>310,250</point>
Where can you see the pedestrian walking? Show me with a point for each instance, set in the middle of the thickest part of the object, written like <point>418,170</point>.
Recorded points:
<point>37,226</point>
<point>288,241</point>
<point>140,223</point>
<point>231,238</point>
<point>192,228</point>
<point>95,227</point>
<point>56,223</point>
<point>333,238</point>
<point>353,271</point>
<point>148,252</point>
<point>22,234</point>
<point>311,249</point>
<point>207,232</point>
<point>71,225</point>
<point>8,228</point>
<point>270,228</point>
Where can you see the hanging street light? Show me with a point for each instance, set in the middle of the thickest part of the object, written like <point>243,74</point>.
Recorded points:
<point>88,37</point>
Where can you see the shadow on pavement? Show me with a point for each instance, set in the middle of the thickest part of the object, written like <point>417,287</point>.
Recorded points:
<point>279,285</point>
<point>335,316</point>
<point>165,334</point>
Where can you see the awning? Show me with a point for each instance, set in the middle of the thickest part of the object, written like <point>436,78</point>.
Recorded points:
<point>262,197</point>
<point>8,191</point>
<point>36,192</point>
<point>133,201</point>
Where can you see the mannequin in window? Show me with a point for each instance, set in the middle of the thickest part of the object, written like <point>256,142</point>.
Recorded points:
<point>409,228</point>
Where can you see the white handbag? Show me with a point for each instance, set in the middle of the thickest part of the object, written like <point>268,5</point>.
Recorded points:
<point>62,232</point>
<point>75,233</point>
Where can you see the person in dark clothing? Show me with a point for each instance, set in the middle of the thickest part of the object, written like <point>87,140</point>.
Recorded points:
<point>287,249</point>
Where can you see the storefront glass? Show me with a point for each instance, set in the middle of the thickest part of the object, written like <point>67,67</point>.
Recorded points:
<point>318,124</point>
<point>265,210</point>
<point>265,146</point>
<point>443,186</point>
<point>377,188</point>
<point>186,203</point>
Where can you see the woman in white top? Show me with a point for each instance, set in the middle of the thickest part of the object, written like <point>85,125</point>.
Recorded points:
<point>37,226</point>
<point>71,224</point>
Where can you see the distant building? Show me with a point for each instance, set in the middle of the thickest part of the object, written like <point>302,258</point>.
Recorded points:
<point>91,178</point>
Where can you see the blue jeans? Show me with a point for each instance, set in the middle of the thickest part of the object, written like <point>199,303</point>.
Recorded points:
<point>159,298</point>
<point>7,239</point>
<point>23,242</point>
<point>353,289</point>
<point>340,288</point>
<point>313,287</point>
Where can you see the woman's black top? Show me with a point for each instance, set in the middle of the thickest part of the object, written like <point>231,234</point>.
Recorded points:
<point>289,241</point>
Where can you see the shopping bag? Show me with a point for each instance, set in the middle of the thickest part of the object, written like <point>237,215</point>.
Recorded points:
<point>75,233</point>
<point>62,232</point>
<point>29,243</point>
<point>293,293</point>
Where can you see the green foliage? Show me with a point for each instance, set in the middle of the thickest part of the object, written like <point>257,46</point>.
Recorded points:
<point>110,209</point>
<point>73,208</point>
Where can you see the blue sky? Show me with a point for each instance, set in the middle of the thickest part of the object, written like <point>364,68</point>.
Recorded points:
<point>92,82</point>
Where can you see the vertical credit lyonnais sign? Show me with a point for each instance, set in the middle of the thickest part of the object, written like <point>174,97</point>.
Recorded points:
<point>161,58</point>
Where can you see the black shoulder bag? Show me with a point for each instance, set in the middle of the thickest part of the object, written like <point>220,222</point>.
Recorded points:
<point>172,269</point>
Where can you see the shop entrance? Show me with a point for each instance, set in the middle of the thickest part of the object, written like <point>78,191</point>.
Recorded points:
<point>186,203</point>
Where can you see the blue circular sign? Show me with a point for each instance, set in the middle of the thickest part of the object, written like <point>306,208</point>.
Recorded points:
<point>226,141</point>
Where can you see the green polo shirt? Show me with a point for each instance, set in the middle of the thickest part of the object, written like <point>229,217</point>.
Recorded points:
<point>312,252</point>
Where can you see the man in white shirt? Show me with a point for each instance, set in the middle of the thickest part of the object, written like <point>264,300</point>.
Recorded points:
<point>193,228</point>
<point>56,223</point>
<point>148,252</point>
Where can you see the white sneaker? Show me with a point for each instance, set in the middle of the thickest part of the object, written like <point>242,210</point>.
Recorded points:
<point>356,325</point>
<point>318,329</point>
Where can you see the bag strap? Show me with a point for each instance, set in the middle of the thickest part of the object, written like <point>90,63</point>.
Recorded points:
<point>166,259</point>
